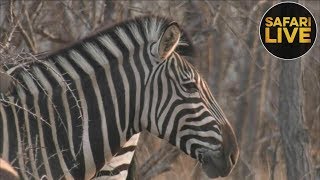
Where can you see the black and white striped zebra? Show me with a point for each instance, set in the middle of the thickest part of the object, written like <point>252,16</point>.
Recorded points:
<point>70,113</point>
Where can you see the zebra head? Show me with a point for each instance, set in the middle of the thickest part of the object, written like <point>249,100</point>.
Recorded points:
<point>180,108</point>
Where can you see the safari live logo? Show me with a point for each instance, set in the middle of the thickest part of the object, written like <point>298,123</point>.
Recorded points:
<point>288,30</point>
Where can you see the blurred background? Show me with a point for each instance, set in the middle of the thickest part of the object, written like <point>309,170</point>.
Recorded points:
<point>244,78</point>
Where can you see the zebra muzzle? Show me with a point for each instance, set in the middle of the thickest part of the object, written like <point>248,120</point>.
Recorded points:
<point>216,164</point>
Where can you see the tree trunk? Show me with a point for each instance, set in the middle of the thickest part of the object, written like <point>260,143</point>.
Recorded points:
<point>294,135</point>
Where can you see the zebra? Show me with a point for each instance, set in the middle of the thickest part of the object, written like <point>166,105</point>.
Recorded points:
<point>70,113</point>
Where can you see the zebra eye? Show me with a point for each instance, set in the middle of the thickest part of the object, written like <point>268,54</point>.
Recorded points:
<point>190,87</point>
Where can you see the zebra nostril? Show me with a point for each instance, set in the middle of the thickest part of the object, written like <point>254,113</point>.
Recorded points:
<point>233,159</point>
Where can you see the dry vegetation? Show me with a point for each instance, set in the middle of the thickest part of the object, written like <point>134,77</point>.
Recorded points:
<point>242,74</point>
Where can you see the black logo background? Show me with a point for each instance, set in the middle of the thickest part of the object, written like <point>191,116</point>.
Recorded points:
<point>287,50</point>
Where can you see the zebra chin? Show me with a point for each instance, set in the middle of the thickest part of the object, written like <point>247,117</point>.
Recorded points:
<point>215,163</point>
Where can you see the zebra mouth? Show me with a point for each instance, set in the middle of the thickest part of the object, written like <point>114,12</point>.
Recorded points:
<point>214,164</point>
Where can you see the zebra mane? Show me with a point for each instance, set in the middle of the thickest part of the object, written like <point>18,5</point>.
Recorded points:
<point>152,26</point>
<point>106,31</point>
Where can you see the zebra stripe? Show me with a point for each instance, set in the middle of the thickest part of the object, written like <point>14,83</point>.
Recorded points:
<point>20,153</point>
<point>54,73</point>
<point>34,91</point>
<point>89,162</point>
<point>22,97</point>
<point>97,55</point>
<point>5,152</point>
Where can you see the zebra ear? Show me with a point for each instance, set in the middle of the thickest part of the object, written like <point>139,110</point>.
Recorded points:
<point>169,40</point>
